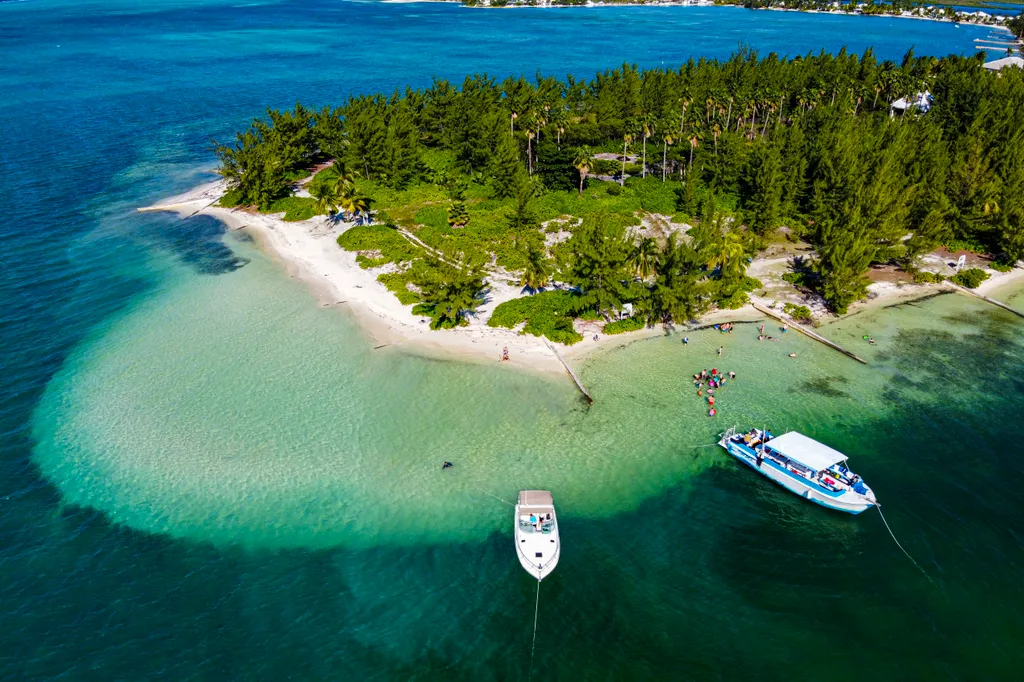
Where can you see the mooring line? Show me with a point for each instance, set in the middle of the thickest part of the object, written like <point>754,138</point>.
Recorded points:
<point>879,508</point>
<point>533,647</point>
<point>492,495</point>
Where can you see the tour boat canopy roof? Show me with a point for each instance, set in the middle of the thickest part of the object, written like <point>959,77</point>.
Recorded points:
<point>535,498</point>
<point>807,451</point>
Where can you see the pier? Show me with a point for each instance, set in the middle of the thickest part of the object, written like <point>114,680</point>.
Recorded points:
<point>965,290</point>
<point>576,379</point>
<point>807,332</point>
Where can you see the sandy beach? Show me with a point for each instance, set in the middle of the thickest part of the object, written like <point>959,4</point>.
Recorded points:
<point>308,250</point>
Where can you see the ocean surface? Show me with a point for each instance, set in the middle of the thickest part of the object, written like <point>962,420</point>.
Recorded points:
<point>204,474</point>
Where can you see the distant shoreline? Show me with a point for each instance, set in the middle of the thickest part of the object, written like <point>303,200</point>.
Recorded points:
<point>978,17</point>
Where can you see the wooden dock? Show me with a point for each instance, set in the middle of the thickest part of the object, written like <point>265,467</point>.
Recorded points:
<point>576,379</point>
<point>807,332</point>
<point>965,290</point>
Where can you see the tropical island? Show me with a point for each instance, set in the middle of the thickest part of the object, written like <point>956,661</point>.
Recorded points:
<point>567,208</point>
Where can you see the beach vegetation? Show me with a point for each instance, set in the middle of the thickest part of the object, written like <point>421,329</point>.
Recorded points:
<point>927,277</point>
<point>970,278</point>
<point>294,208</point>
<point>548,314</point>
<point>387,245</point>
<point>800,313</point>
<point>398,284</point>
<point>626,324</point>
<point>449,291</point>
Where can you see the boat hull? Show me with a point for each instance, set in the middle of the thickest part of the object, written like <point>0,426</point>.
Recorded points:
<point>844,501</point>
<point>538,550</point>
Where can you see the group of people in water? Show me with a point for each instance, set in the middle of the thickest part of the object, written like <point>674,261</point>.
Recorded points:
<point>715,380</point>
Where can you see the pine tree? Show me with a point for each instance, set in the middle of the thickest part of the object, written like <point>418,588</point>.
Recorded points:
<point>506,168</point>
<point>600,267</point>
<point>401,147</point>
<point>764,188</point>
<point>458,214</point>
<point>843,256</point>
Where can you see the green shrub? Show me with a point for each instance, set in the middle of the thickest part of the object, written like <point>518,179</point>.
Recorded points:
<point>970,278</point>
<point>392,246</point>
<point>802,279</point>
<point>800,313</point>
<point>925,277</point>
<point>396,284</point>
<point>629,324</point>
<point>606,167</point>
<point>231,199</point>
<point>1001,266</point>
<point>654,195</point>
<point>294,208</point>
<point>546,314</point>
<point>432,216</point>
<point>633,169</point>
<point>965,244</point>
<point>614,190</point>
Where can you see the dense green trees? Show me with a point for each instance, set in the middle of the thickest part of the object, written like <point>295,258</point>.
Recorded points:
<point>449,292</point>
<point>810,143</point>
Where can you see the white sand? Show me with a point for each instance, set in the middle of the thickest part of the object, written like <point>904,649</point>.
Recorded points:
<point>309,250</point>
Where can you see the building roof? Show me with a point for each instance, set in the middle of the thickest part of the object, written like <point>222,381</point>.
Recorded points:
<point>1000,64</point>
<point>806,451</point>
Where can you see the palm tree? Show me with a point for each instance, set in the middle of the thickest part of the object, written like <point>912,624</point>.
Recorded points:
<point>340,177</point>
<point>583,162</point>
<point>326,198</point>
<point>727,253</point>
<point>716,130</point>
<point>626,139</point>
<point>647,129</point>
<point>643,257</point>
<point>353,205</point>
<point>666,142</point>
<point>695,138</point>
<point>537,272</point>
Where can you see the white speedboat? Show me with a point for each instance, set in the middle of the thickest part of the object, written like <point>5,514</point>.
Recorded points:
<point>802,465</point>
<point>537,543</point>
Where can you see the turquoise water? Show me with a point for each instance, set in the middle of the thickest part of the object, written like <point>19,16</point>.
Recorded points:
<point>207,475</point>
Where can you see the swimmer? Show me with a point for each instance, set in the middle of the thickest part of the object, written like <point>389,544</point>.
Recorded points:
<point>686,340</point>
<point>792,355</point>
<point>760,337</point>
<point>700,392</point>
<point>871,341</point>
<point>732,375</point>
<point>447,465</point>
<point>712,412</point>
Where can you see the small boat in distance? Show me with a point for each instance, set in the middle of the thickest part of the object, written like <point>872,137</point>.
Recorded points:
<point>804,466</point>
<point>536,534</point>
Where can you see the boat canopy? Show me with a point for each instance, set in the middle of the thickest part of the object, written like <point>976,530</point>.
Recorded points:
<point>536,498</point>
<point>806,451</point>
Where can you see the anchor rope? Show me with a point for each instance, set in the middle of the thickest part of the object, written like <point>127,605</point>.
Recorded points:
<point>533,646</point>
<point>879,508</point>
<point>493,495</point>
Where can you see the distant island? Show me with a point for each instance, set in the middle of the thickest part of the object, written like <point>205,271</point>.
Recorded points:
<point>572,209</point>
<point>944,10</point>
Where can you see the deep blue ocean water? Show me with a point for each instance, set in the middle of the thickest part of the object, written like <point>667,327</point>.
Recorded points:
<point>105,106</point>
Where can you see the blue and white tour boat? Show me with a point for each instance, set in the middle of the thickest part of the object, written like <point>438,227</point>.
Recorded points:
<point>806,467</point>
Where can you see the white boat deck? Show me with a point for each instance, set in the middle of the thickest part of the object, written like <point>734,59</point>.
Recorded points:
<point>536,532</point>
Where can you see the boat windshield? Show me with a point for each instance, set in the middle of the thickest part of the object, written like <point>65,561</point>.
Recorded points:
<point>536,521</point>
